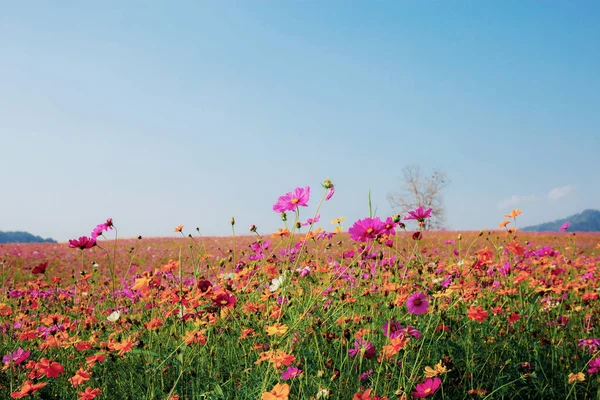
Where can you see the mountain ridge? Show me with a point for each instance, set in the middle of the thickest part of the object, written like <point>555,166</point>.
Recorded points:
<point>585,221</point>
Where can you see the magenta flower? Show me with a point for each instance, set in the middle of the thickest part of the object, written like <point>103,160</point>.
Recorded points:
<point>367,229</point>
<point>330,192</point>
<point>363,348</point>
<point>290,373</point>
<point>102,228</point>
<point>427,388</point>
<point>417,303</point>
<point>392,329</point>
<point>564,227</point>
<point>84,242</point>
<point>594,365</point>
<point>419,214</point>
<point>292,200</point>
<point>389,227</point>
<point>17,356</point>
<point>311,221</point>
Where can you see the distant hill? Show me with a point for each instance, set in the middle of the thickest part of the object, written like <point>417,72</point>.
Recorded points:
<point>22,237</point>
<point>586,221</point>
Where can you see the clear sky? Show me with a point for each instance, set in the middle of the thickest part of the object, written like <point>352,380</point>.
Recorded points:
<point>165,113</point>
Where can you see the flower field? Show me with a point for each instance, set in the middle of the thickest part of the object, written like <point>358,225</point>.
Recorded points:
<point>372,310</point>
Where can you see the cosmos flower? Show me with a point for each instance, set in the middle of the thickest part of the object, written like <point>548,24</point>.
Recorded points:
<point>418,214</point>
<point>290,373</point>
<point>564,227</point>
<point>279,392</point>
<point>17,356</point>
<point>366,229</point>
<point>84,242</point>
<point>40,268</point>
<point>108,225</point>
<point>292,200</point>
<point>417,303</point>
<point>427,388</point>
<point>363,348</point>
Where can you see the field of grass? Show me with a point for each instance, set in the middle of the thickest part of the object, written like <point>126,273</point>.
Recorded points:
<point>305,314</point>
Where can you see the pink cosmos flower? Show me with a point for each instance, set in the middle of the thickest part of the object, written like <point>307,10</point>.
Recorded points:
<point>367,229</point>
<point>290,373</point>
<point>417,303</point>
<point>292,200</point>
<point>389,227</point>
<point>427,388</point>
<point>311,221</point>
<point>591,344</point>
<point>564,227</point>
<point>363,348</point>
<point>106,226</point>
<point>84,242</point>
<point>594,365</point>
<point>419,214</point>
<point>330,192</point>
<point>17,356</point>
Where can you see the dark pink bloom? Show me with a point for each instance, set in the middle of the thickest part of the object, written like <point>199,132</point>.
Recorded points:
<point>417,303</point>
<point>367,229</point>
<point>292,200</point>
<point>290,373</point>
<point>427,388</point>
<point>40,268</point>
<point>84,242</point>
<point>564,226</point>
<point>591,344</point>
<point>389,227</point>
<point>594,365</point>
<point>392,329</point>
<point>419,214</point>
<point>102,228</point>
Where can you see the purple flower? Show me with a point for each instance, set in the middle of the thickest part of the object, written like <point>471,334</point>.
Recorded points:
<point>365,374</point>
<point>417,303</point>
<point>564,227</point>
<point>367,229</point>
<point>290,373</point>
<point>292,200</point>
<point>363,348</point>
<point>419,214</point>
<point>311,221</point>
<point>108,225</point>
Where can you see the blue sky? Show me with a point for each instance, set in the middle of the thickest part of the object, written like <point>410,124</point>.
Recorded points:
<point>189,113</point>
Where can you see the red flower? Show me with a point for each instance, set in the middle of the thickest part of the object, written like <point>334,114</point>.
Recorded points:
<point>40,268</point>
<point>477,313</point>
<point>27,389</point>
<point>224,300</point>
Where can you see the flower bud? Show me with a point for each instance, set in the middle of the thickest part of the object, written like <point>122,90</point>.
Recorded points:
<point>327,184</point>
<point>283,217</point>
<point>232,221</point>
<point>396,218</point>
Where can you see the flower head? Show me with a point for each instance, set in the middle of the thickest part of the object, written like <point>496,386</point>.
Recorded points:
<point>564,227</point>
<point>290,373</point>
<point>427,388</point>
<point>84,242</point>
<point>292,200</point>
<point>40,268</point>
<point>418,214</point>
<point>279,392</point>
<point>417,303</point>
<point>363,348</point>
<point>367,229</point>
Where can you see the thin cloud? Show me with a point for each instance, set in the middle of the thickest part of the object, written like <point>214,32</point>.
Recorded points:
<point>560,192</point>
<point>516,200</point>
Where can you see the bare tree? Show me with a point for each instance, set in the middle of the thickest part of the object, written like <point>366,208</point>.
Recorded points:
<point>422,191</point>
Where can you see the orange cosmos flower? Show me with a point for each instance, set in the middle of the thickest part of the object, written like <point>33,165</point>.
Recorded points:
<point>178,228</point>
<point>80,377</point>
<point>195,337</point>
<point>396,344</point>
<point>513,214</point>
<point>477,313</point>
<point>578,377</point>
<point>27,389</point>
<point>503,224</point>
<point>89,394</point>
<point>279,392</point>
<point>281,233</point>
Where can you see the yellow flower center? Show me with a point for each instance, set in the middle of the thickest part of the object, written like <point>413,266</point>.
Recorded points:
<point>294,201</point>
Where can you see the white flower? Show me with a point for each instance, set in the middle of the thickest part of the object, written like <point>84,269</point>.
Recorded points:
<point>276,283</point>
<point>322,394</point>
<point>114,316</point>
